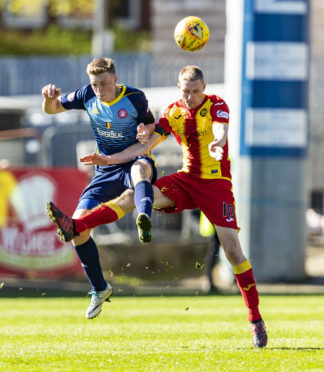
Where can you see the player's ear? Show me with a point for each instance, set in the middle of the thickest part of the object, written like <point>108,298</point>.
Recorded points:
<point>178,84</point>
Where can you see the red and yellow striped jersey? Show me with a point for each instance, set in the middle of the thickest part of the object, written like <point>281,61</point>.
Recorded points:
<point>193,131</point>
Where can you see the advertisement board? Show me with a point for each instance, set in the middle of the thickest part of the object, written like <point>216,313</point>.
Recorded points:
<point>29,244</point>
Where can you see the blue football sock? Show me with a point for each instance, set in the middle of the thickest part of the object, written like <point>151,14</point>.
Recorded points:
<point>89,257</point>
<point>144,197</point>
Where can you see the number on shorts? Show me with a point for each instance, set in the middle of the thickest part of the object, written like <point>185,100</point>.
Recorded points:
<point>228,210</point>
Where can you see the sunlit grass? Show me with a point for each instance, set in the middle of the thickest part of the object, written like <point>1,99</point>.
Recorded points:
<point>160,334</point>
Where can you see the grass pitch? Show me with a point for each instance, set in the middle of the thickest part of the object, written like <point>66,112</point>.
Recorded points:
<point>197,333</point>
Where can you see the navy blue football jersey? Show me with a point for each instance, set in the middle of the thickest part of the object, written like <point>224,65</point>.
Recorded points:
<point>114,124</point>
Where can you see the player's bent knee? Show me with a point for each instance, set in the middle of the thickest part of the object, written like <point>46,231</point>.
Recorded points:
<point>141,171</point>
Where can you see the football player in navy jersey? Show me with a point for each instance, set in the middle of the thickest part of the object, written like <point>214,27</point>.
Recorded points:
<point>119,117</point>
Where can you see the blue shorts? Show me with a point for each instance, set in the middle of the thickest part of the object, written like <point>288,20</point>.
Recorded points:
<point>109,182</point>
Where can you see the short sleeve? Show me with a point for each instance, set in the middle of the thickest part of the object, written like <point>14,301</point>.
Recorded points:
<point>219,112</point>
<point>76,100</point>
<point>163,123</point>
<point>138,99</point>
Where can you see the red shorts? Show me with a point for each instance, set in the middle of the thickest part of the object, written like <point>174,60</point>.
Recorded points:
<point>213,197</point>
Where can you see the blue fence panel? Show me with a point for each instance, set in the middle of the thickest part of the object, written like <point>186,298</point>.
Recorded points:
<point>27,75</point>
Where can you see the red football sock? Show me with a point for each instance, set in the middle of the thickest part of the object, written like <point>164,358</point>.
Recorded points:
<point>246,283</point>
<point>104,213</point>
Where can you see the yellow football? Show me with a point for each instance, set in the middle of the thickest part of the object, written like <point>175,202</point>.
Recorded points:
<point>191,34</point>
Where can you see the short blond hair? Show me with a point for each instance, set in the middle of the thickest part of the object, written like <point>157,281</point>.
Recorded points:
<point>191,73</point>
<point>100,65</point>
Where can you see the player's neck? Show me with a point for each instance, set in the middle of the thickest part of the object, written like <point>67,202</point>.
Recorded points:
<point>114,95</point>
<point>117,91</point>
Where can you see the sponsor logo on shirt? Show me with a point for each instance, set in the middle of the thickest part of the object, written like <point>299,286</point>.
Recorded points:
<point>222,114</point>
<point>110,134</point>
<point>218,103</point>
<point>122,113</point>
<point>199,133</point>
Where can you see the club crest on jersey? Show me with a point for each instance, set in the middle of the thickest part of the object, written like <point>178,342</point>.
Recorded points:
<point>203,112</point>
<point>108,125</point>
<point>122,113</point>
<point>222,114</point>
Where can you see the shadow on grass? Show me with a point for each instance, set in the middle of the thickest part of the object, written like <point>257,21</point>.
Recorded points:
<point>38,293</point>
<point>283,348</point>
<point>15,292</point>
<point>295,348</point>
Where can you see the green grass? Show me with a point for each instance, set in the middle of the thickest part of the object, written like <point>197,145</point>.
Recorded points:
<point>196,333</point>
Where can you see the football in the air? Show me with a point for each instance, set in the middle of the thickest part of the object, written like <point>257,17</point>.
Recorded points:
<point>191,33</point>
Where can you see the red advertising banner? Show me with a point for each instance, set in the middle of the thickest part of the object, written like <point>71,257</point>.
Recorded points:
<point>29,244</point>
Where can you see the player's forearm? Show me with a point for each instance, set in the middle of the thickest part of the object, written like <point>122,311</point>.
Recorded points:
<point>52,106</point>
<point>128,154</point>
<point>135,150</point>
<point>220,132</point>
<point>150,127</point>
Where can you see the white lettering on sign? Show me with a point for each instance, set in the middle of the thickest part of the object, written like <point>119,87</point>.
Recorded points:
<point>280,6</point>
<point>276,127</point>
<point>276,61</point>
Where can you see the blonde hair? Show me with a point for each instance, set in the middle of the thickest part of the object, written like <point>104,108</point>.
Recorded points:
<point>191,73</point>
<point>100,65</point>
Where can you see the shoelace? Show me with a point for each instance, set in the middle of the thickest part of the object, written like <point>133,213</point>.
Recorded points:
<point>94,296</point>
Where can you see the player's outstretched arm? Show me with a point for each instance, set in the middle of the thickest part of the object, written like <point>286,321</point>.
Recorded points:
<point>52,102</point>
<point>126,155</point>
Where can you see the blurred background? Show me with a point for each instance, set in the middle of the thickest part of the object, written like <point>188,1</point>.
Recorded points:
<point>278,183</point>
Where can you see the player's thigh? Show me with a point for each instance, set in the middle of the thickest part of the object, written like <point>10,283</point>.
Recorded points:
<point>141,171</point>
<point>84,235</point>
<point>231,244</point>
<point>161,200</point>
